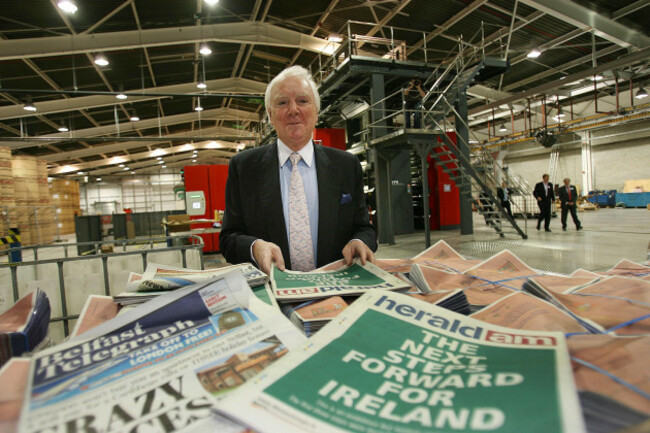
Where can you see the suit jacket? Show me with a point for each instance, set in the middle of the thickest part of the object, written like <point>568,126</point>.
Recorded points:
<point>539,191</point>
<point>500,193</point>
<point>564,197</point>
<point>254,204</point>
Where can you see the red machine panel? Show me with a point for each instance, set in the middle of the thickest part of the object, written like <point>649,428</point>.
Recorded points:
<point>218,175</point>
<point>444,197</point>
<point>331,137</point>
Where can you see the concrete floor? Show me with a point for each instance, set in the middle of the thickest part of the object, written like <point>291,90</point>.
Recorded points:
<point>608,236</point>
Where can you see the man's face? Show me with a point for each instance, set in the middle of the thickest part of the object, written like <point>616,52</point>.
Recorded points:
<point>293,112</point>
<point>545,179</point>
<point>567,182</point>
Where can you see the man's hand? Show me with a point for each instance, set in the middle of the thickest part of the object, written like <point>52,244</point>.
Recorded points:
<point>265,253</point>
<point>357,248</point>
<point>539,199</point>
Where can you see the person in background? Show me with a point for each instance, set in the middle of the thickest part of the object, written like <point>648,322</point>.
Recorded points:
<point>294,202</point>
<point>413,96</point>
<point>543,192</point>
<point>568,196</point>
<point>503,194</point>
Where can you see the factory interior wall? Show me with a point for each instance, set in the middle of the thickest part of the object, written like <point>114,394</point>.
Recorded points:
<point>619,153</point>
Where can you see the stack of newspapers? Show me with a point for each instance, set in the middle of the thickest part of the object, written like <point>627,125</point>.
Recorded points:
<point>435,343</point>
<point>24,325</point>
<point>158,279</point>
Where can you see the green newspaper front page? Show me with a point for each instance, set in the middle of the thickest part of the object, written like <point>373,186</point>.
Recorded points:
<point>390,363</point>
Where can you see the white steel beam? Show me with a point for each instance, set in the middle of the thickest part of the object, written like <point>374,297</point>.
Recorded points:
<point>254,33</point>
<point>222,85</point>
<point>580,16</point>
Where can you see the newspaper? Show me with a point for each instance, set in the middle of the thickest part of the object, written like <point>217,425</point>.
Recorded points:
<point>348,280</point>
<point>13,378</point>
<point>311,316</point>
<point>612,374</point>
<point>504,268</point>
<point>158,278</point>
<point>432,370</point>
<point>96,310</point>
<point>601,306</point>
<point>444,257</point>
<point>160,366</point>
<point>454,300</point>
<point>523,311</point>
<point>629,268</point>
<point>24,326</point>
<point>479,292</point>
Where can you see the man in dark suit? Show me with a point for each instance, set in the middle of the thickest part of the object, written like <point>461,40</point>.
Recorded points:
<point>294,202</point>
<point>503,194</point>
<point>568,195</point>
<point>543,192</point>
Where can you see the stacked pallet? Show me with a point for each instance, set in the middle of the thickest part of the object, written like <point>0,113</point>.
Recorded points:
<point>6,189</point>
<point>25,199</point>
<point>64,196</point>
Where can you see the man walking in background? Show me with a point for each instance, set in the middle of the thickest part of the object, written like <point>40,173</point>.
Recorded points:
<point>543,192</point>
<point>568,197</point>
<point>503,194</point>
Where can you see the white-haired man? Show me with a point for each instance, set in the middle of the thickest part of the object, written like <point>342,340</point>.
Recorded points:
<point>293,202</point>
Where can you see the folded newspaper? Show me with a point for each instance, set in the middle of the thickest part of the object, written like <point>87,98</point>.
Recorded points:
<point>311,316</point>
<point>348,280</point>
<point>158,278</point>
<point>432,370</point>
<point>160,366</point>
<point>24,325</point>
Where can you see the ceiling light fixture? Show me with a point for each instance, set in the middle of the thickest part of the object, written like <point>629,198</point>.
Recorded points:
<point>194,160</point>
<point>99,179</point>
<point>121,96</point>
<point>641,93</point>
<point>333,37</point>
<point>212,2</point>
<point>534,53</point>
<point>503,128</point>
<point>164,166</point>
<point>121,165</point>
<point>134,118</point>
<point>205,50</point>
<point>597,77</point>
<point>63,128</point>
<point>201,85</point>
<point>101,60</point>
<point>29,105</point>
<point>126,168</point>
<point>67,6</point>
<point>159,158</point>
<point>198,105</point>
<point>161,162</point>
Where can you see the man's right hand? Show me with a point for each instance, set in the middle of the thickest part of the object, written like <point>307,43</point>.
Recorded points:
<point>266,253</point>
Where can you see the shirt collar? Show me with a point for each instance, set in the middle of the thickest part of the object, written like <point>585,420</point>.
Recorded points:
<point>306,153</point>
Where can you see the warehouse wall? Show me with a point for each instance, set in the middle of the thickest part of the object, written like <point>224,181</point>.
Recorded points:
<point>619,153</point>
<point>143,194</point>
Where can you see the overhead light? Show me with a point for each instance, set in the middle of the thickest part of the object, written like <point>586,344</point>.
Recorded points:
<point>67,6</point>
<point>101,60</point>
<point>133,172</point>
<point>212,2</point>
<point>198,105</point>
<point>333,37</point>
<point>134,118</point>
<point>126,168</point>
<point>195,151</point>
<point>121,165</point>
<point>121,95</point>
<point>164,166</point>
<point>205,50</point>
<point>194,160</point>
<point>63,128</point>
<point>99,179</point>
<point>503,128</point>
<point>534,53</point>
<point>559,114</point>
<point>80,173</point>
<point>161,162</point>
<point>29,105</point>
<point>641,93</point>
<point>597,77</point>
<point>159,158</point>
<point>201,85</point>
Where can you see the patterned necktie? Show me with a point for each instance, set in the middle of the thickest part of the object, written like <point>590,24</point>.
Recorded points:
<point>300,244</point>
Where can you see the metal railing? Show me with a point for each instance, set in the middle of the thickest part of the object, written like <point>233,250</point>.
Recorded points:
<point>195,243</point>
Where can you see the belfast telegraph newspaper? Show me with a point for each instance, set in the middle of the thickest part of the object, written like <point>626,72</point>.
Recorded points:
<point>432,370</point>
<point>159,367</point>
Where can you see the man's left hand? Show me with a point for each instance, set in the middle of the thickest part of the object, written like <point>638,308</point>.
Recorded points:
<point>357,248</point>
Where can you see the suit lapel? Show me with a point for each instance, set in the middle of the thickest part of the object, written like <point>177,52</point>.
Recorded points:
<point>271,200</point>
<point>328,202</point>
